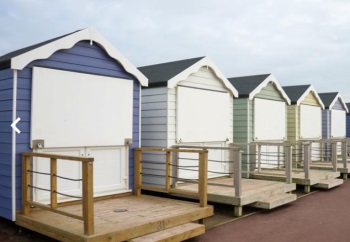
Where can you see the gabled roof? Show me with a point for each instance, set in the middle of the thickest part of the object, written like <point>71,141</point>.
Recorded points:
<point>330,98</point>
<point>169,74</point>
<point>299,92</point>
<point>249,86</point>
<point>21,58</point>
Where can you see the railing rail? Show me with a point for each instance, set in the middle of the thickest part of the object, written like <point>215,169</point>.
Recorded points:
<point>87,192</point>
<point>202,173</point>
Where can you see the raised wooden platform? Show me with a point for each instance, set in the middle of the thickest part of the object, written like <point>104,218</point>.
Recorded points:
<point>319,178</point>
<point>322,165</point>
<point>116,219</point>
<point>254,193</point>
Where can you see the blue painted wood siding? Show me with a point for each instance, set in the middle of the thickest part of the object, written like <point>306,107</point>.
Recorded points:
<point>347,125</point>
<point>82,57</point>
<point>6,93</point>
<point>326,124</point>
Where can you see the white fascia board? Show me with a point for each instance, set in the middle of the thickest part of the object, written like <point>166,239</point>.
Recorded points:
<point>270,78</point>
<point>67,42</point>
<point>341,100</point>
<point>311,89</point>
<point>195,68</point>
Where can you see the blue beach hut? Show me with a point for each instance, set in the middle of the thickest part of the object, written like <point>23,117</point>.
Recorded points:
<point>75,95</point>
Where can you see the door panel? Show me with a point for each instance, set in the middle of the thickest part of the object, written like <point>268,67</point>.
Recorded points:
<point>110,172</point>
<point>65,168</point>
<point>110,169</point>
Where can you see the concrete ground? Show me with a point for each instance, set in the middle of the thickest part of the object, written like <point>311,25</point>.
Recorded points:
<point>320,216</point>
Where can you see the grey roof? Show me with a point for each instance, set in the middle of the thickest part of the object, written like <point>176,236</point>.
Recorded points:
<point>327,98</point>
<point>348,105</point>
<point>246,84</point>
<point>5,60</point>
<point>295,92</point>
<point>159,74</point>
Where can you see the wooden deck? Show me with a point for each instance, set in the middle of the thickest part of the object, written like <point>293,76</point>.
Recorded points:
<point>116,219</point>
<point>256,193</point>
<point>321,165</point>
<point>318,178</point>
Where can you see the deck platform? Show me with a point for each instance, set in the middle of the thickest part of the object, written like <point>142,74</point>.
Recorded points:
<point>116,219</point>
<point>318,178</point>
<point>256,193</point>
<point>322,165</point>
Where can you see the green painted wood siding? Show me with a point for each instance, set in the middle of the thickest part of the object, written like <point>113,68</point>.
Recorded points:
<point>270,92</point>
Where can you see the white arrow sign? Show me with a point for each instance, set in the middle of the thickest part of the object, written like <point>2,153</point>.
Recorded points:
<point>13,125</point>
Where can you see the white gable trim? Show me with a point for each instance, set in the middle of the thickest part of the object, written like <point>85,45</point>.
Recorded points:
<point>341,100</point>
<point>269,79</point>
<point>67,42</point>
<point>310,89</point>
<point>195,68</point>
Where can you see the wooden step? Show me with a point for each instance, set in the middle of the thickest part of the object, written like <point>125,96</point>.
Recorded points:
<point>178,233</point>
<point>275,201</point>
<point>329,183</point>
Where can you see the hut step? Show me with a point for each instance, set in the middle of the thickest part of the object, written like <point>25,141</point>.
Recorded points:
<point>178,233</point>
<point>329,183</point>
<point>275,201</point>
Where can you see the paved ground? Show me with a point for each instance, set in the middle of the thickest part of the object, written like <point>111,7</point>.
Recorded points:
<point>321,216</point>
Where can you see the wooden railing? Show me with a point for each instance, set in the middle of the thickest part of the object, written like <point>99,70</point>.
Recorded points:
<point>202,173</point>
<point>87,193</point>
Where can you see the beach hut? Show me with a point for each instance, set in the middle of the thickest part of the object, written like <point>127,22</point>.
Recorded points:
<point>304,126</point>
<point>260,116</point>
<point>75,95</point>
<point>188,102</point>
<point>304,113</point>
<point>333,116</point>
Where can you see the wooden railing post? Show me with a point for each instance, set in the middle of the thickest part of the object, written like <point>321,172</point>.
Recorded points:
<point>137,171</point>
<point>88,197</point>
<point>344,152</point>
<point>174,171</point>
<point>278,156</point>
<point>237,169</point>
<point>25,184</point>
<point>167,170</point>
<point>307,159</point>
<point>334,155</point>
<point>288,162</point>
<point>202,178</point>
<point>259,158</point>
<point>53,183</point>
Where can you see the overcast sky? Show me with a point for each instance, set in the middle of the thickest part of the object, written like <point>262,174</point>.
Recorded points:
<point>299,41</point>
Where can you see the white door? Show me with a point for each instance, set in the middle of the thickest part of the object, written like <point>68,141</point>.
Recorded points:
<point>218,164</point>
<point>269,120</point>
<point>65,168</point>
<point>271,156</point>
<point>202,119</point>
<point>71,109</point>
<point>110,173</point>
<point>110,169</point>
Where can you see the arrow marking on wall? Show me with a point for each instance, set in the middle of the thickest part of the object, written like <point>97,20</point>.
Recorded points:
<point>13,125</point>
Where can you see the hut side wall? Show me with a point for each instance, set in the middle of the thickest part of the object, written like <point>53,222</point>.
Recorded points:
<point>293,124</point>
<point>326,124</point>
<point>6,102</point>
<point>154,130</point>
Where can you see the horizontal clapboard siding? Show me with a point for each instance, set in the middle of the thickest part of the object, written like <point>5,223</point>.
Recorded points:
<point>82,57</point>
<point>154,111</point>
<point>326,124</point>
<point>6,101</point>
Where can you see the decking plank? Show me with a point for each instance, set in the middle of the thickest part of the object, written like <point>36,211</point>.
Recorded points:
<point>143,215</point>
